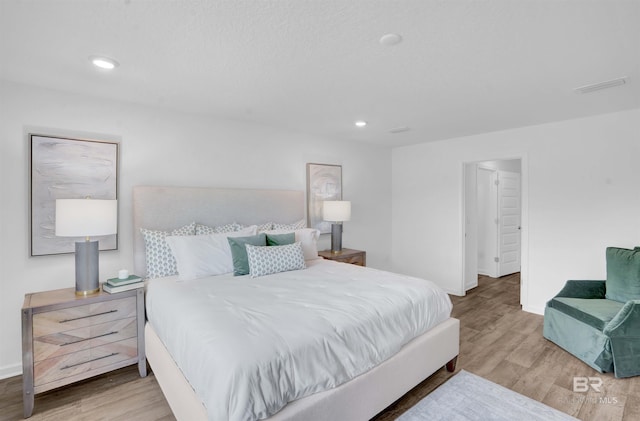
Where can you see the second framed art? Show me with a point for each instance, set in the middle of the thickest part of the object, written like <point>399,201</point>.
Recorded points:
<point>324,182</point>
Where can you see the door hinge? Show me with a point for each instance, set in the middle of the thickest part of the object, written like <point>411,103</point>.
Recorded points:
<point>496,259</point>
<point>497,182</point>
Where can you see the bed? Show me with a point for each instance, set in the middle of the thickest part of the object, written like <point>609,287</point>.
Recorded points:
<point>358,397</point>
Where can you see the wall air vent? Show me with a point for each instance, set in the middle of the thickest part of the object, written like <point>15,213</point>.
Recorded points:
<point>601,85</point>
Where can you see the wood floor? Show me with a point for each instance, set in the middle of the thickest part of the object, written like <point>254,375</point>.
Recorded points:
<point>498,341</point>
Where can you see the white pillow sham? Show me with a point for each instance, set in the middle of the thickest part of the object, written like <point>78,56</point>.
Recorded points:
<point>265,260</point>
<point>198,256</point>
<point>307,236</point>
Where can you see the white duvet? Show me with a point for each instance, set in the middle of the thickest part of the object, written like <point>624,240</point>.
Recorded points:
<point>248,346</point>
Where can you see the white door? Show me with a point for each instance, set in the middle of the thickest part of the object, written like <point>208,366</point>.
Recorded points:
<point>509,212</point>
<point>487,200</point>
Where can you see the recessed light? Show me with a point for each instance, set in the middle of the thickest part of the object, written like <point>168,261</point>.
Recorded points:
<point>361,123</point>
<point>389,40</point>
<point>104,62</point>
<point>601,85</point>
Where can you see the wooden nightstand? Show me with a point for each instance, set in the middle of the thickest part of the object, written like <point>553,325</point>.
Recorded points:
<point>355,257</point>
<point>67,338</point>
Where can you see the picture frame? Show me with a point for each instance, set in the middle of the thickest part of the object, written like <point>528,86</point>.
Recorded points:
<point>324,182</point>
<point>68,168</point>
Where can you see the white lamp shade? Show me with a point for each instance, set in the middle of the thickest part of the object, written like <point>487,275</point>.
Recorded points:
<point>86,217</point>
<point>336,210</point>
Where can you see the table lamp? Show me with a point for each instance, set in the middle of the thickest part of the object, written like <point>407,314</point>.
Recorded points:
<point>86,218</point>
<point>336,211</point>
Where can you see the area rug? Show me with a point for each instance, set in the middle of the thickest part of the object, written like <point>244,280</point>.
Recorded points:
<point>468,397</point>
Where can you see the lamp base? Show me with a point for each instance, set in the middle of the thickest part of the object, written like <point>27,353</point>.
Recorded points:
<point>87,278</point>
<point>87,293</point>
<point>336,238</point>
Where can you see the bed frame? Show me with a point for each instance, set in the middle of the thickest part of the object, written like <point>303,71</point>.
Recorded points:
<point>166,208</point>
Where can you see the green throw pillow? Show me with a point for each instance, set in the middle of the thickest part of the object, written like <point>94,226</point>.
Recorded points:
<point>623,274</point>
<point>239,251</point>
<point>281,239</point>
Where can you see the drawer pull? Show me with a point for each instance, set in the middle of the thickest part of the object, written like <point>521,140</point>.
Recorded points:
<point>86,339</point>
<point>90,361</point>
<point>86,317</point>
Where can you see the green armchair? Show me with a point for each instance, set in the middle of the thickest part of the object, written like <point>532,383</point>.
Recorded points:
<point>599,321</point>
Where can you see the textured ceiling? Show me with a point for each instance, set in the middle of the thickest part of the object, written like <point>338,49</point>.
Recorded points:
<point>464,67</point>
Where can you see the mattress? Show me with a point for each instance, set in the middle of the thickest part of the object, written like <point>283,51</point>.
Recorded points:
<point>248,346</point>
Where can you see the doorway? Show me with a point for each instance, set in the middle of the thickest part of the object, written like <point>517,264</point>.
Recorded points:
<point>492,219</point>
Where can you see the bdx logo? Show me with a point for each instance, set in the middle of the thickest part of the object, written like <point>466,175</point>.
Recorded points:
<point>581,384</point>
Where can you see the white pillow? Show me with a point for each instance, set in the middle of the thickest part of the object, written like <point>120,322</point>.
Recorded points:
<point>265,260</point>
<point>309,239</point>
<point>198,256</point>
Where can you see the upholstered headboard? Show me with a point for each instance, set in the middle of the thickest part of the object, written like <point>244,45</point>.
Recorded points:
<point>167,208</point>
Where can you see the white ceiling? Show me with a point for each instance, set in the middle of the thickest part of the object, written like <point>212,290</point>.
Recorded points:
<point>464,66</point>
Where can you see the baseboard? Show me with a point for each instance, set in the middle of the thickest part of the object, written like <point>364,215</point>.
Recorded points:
<point>10,371</point>
<point>533,309</point>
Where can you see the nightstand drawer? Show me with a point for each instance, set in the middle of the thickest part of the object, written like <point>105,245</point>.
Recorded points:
<point>82,316</point>
<point>61,343</point>
<point>52,369</point>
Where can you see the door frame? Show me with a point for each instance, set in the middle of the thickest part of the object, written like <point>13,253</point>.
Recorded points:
<point>470,250</point>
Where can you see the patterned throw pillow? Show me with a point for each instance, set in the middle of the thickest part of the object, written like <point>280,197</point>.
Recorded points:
<point>293,226</point>
<point>222,229</point>
<point>265,227</point>
<point>274,259</point>
<point>205,229</point>
<point>160,261</point>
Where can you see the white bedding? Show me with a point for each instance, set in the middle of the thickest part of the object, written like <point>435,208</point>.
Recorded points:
<point>248,346</point>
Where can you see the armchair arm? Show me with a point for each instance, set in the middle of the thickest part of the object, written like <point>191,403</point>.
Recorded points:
<point>583,289</point>
<point>626,323</point>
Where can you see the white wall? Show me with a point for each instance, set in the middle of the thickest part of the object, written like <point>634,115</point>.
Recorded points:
<point>580,195</point>
<point>165,148</point>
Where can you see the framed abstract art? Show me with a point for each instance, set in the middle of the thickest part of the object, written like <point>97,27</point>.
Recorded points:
<point>65,168</point>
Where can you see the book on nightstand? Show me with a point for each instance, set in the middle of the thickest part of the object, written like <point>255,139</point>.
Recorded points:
<point>116,282</point>
<point>112,290</point>
<point>121,287</point>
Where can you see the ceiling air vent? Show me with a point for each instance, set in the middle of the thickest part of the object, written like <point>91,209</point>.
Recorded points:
<point>601,85</point>
<point>399,129</point>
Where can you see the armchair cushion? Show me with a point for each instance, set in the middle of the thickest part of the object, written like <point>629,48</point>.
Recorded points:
<point>594,312</point>
<point>583,289</point>
<point>623,274</point>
